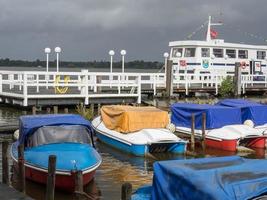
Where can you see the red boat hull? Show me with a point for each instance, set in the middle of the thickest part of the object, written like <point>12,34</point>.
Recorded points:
<point>226,145</point>
<point>63,182</point>
<point>257,142</point>
<point>231,145</point>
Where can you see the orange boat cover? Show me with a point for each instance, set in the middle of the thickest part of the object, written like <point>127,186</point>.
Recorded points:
<point>126,119</point>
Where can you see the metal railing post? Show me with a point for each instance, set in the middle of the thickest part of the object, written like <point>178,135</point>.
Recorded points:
<point>186,85</point>
<point>20,81</point>
<point>216,84</point>
<point>84,89</point>
<point>155,84</point>
<point>139,89</point>
<point>95,82</point>
<point>1,83</point>
<point>37,83</point>
<point>25,89</point>
<point>119,84</point>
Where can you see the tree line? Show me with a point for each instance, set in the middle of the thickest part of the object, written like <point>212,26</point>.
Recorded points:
<point>88,64</point>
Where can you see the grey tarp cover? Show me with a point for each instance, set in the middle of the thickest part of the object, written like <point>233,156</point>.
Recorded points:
<point>58,134</point>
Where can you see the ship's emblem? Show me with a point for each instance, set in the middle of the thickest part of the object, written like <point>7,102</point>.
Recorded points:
<point>205,64</point>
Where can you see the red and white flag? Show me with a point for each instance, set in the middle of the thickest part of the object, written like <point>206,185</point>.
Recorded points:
<point>213,34</point>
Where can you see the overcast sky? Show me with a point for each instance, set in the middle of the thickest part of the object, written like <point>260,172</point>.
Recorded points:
<point>88,29</point>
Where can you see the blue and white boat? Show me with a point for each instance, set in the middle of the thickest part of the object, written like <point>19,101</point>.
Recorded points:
<point>141,142</point>
<point>68,137</point>
<point>224,178</point>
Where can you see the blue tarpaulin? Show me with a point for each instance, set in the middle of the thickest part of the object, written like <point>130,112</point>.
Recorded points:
<point>216,116</point>
<point>30,123</point>
<point>250,110</point>
<point>223,178</point>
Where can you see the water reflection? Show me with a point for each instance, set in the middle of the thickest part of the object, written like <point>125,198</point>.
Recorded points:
<point>117,167</point>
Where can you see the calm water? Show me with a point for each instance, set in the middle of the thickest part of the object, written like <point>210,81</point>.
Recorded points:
<point>116,168</point>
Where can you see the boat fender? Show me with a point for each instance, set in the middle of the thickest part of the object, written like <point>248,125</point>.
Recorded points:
<point>171,127</point>
<point>243,65</point>
<point>249,123</point>
<point>16,135</point>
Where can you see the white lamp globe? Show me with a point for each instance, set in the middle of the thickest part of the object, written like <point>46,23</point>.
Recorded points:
<point>111,53</point>
<point>166,55</point>
<point>123,52</point>
<point>47,50</point>
<point>178,54</point>
<point>57,49</point>
<point>212,56</point>
<point>226,57</point>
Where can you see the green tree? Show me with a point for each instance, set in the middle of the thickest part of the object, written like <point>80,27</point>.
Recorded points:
<point>227,87</point>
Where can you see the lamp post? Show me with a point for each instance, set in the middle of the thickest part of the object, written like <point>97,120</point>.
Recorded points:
<point>111,53</point>
<point>47,52</point>
<point>166,55</point>
<point>57,50</point>
<point>123,53</point>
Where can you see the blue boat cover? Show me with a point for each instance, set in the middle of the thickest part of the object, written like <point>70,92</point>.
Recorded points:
<point>28,124</point>
<point>216,116</point>
<point>223,178</point>
<point>250,110</point>
<point>70,156</point>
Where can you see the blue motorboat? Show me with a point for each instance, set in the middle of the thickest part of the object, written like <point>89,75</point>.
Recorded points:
<point>67,136</point>
<point>218,178</point>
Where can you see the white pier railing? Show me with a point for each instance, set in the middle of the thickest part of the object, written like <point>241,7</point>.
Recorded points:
<point>84,85</point>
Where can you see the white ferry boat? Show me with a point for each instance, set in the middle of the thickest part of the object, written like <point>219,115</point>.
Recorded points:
<point>194,56</point>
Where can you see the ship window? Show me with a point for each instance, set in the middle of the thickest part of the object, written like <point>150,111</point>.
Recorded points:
<point>242,53</point>
<point>261,55</point>
<point>205,52</point>
<point>190,52</point>
<point>175,51</point>
<point>231,53</point>
<point>218,53</point>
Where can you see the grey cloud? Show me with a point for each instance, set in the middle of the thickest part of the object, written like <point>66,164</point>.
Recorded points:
<point>87,29</point>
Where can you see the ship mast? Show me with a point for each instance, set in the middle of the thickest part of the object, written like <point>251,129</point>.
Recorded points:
<point>208,38</point>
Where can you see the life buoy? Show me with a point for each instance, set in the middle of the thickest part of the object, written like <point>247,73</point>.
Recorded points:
<point>183,63</point>
<point>243,65</point>
<point>61,90</point>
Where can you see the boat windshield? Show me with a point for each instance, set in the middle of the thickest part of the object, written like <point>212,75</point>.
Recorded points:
<point>59,134</point>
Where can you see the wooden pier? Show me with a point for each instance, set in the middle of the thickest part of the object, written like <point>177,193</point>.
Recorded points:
<point>7,192</point>
<point>41,88</point>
